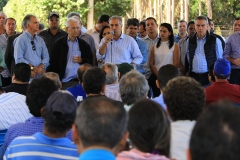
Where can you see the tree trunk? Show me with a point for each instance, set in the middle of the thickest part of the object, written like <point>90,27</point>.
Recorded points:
<point>155,9</point>
<point>168,11</point>
<point>182,11</point>
<point>186,6</point>
<point>209,9</point>
<point>90,14</point>
<point>200,7</point>
<point>172,17</point>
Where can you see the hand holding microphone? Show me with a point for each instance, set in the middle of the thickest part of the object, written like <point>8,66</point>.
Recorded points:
<point>109,37</point>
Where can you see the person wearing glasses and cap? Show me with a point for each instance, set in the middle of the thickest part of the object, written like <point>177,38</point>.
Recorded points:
<point>30,48</point>
<point>53,32</point>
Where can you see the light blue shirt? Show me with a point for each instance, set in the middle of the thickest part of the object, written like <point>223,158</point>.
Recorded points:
<point>232,48</point>
<point>124,50</point>
<point>160,101</point>
<point>143,49</point>
<point>71,68</point>
<point>23,52</point>
<point>199,64</point>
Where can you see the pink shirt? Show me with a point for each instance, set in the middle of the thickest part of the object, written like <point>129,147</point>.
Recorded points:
<point>134,154</point>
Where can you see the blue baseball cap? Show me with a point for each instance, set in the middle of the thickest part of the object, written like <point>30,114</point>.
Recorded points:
<point>222,67</point>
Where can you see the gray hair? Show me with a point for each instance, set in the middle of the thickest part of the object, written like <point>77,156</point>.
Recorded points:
<point>112,72</point>
<point>72,19</point>
<point>71,14</point>
<point>202,18</point>
<point>79,19</point>
<point>54,77</point>
<point>116,17</point>
<point>1,12</point>
<point>132,87</point>
<point>26,20</point>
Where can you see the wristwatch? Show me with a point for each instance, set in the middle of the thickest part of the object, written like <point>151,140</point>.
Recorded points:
<point>32,68</point>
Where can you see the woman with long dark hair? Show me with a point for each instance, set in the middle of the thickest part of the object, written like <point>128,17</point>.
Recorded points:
<point>162,53</point>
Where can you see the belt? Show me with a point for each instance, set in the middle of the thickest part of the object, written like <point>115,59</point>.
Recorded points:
<point>200,74</point>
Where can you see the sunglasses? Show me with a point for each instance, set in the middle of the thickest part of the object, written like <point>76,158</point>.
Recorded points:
<point>33,45</point>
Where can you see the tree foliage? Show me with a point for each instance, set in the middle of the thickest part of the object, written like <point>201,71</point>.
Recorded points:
<point>110,7</point>
<point>2,4</point>
<point>41,8</point>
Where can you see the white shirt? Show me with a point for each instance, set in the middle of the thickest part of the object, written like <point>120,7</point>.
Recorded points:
<point>13,109</point>
<point>180,135</point>
<point>112,92</point>
<point>95,36</point>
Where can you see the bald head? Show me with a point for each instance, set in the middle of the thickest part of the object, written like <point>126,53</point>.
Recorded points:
<point>81,71</point>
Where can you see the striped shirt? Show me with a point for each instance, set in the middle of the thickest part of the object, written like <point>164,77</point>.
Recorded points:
<point>39,147</point>
<point>124,50</point>
<point>13,109</point>
<point>232,48</point>
<point>112,91</point>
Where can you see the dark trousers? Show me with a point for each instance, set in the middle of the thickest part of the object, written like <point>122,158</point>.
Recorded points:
<point>6,81</point>
<point>235,76</point>
<point>153,87</point>
<point>202,78</point>
<point>70,83</point>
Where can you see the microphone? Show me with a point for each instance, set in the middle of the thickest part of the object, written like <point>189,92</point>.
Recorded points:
<point>111,32</point>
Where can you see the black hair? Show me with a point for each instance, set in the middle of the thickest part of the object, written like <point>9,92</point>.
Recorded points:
<point>101,32</point>
<point>93,80</point>
<point>152,19</point>
<point>22,72</point>
<point>81,70</point>
<point>132,21</point>
<point>101,121</point>
<point>166,73</point>
<point>103,18</point>
<point>189,23</point>
<point>10,19</point>
<point>216,133</point>
<point>184,98</point>
<point>41,26</point>
<point>170,38</point>
<point>143,22</point>
<point>149,127</point>
<point>38,92</point>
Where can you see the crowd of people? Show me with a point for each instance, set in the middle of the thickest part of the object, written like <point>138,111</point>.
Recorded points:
<point>101,94</point>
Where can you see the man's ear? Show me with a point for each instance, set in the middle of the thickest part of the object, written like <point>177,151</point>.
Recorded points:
<point>75,134</point>
<point>121,145</point>
<point>189,157</point>
<point>157,84</point>
<point>42,112</point>
<point>119,74</point>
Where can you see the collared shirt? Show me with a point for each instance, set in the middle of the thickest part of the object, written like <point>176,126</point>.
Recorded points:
<point>149,42</point>
<point>71,68</point>
<point>160,101</point>
<point>199,64</point>
<point>97,154</point>
<point>13,109</point>
<point>112,91</point>
<point>232,48</point>
<point>41,146</point>
<point>183,49</point>
<point>124,50</point>
<point>178,38</point>
<point>50,38</point>
<point>28,128</point>
<point>95,36</point>
<point>24,53</point>
<point>143,49</point>
<point>83,29</point>
<point>3,44</point>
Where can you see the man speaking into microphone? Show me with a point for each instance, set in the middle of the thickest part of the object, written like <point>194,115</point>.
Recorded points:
<point>118,48</point>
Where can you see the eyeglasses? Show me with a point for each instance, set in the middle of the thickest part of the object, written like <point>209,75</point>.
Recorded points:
<point>54,20</point>
<point>33,45</point>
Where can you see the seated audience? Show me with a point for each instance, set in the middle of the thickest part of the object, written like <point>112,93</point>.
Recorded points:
<point>165,74</point>
<point>54,77</point>
<point>185,100</point>
<point>100,129</point>
<point>59,114</point>
<point>20,79</point>
<point>221,88</point>
<point>149,135</point>
<point>77,91</point>
<point>132,87</point>
<point>112,85</point>
<point>13,109</point>
<point>216,134</point>
<point>38,92</point>
<point>94,80</point>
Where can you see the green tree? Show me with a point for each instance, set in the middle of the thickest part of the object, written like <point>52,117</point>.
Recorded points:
<point>2,4</point>
<point>41,9</point>
<point>110,7</point>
